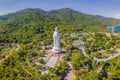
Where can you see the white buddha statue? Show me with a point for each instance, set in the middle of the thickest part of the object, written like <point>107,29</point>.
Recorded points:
<point>56,38</point>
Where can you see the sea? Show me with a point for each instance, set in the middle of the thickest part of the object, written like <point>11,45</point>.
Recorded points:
<point>116,28</point>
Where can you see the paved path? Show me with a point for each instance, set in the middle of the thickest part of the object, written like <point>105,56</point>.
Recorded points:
<point>69,75</point>
<point>52,61</point>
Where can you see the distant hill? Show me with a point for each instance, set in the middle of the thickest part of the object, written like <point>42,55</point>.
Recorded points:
<point>66,16</point>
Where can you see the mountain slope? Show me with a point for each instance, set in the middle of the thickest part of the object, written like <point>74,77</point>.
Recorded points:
<point>32,30</point>
<point>66,16</point>
<point>71,16</point>
<point>30,22</point>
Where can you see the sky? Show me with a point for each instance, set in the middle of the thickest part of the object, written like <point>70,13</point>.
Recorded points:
<point>107,8</point>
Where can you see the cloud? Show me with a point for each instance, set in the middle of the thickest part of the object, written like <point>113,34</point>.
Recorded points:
<point>113,15</point>
<point>117,16</point>
<point>5,12</point>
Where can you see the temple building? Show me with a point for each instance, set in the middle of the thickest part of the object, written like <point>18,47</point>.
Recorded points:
<point>56,39</point>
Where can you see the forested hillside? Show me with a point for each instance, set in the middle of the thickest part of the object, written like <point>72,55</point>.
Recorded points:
<point>30,22</point>
<point>26,35</point>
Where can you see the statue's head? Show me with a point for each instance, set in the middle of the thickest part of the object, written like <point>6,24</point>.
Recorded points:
<point>56,29</point>
<point>56,33</point>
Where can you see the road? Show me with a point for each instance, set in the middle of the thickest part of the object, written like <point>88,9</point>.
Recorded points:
<point>108,58</point>
<point>108,34</point>
<point>81,47</point>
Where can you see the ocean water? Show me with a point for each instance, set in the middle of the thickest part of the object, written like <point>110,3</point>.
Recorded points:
<point>117,28</point>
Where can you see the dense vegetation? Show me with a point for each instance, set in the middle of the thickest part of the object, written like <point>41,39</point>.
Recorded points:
<point>32,30</point>
<point>35,24</point>
<point>100,45</point>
